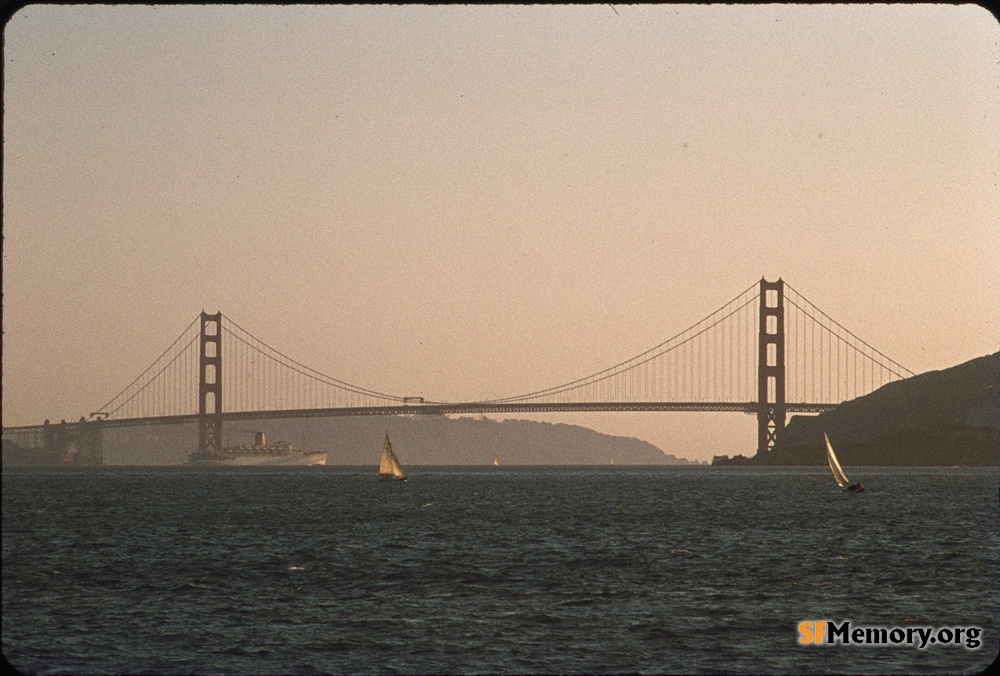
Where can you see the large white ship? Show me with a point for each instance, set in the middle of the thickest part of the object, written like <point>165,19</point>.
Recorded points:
<point>261,453</point>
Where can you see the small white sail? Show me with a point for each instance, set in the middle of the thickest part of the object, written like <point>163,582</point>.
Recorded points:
<point>831,460</point>
<point>389,467</point>
<point>496,460</point>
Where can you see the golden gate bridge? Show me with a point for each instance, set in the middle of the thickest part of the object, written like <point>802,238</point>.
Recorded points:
<point>769,351</point>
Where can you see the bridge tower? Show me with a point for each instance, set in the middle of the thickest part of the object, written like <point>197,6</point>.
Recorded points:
<point>771,365</point>
<point>210,384</point>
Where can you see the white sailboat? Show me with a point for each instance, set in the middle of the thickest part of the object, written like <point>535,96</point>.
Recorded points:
<point>838,472</point>
<point>389,467</point>
<point>496,460</point>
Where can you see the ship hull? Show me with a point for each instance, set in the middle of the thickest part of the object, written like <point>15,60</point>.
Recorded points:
<point>262,461</point>
<point>32,457</point>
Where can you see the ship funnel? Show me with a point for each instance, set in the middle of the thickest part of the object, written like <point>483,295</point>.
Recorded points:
<point>259,439</point>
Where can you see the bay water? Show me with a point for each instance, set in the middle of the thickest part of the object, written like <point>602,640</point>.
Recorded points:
<point>592,570</point>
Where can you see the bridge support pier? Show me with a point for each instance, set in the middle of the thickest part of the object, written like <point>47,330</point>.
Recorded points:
<point>210,384</point>
<point>80,443</point>
<point>771,365</point>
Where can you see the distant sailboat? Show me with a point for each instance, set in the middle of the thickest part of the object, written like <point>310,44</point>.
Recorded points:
<point>838,472</point>
<point>389,467</point>
<point>496,460</point>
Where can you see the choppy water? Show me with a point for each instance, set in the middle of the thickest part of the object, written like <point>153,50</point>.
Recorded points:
<point>475,570</point>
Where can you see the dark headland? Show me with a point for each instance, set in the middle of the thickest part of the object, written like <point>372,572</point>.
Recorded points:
<point>939,418</point>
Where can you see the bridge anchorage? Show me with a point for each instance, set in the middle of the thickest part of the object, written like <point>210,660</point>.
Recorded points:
<point>767,352</point>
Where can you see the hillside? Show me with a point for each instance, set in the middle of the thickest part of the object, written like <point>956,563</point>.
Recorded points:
<point>419,440</point>
<point>948,417</point>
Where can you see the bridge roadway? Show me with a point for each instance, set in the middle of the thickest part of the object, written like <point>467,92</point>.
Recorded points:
<point>458,409</point>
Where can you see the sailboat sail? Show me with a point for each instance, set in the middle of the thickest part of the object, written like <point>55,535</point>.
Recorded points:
<point>831,460</point>
<point>389,467</point>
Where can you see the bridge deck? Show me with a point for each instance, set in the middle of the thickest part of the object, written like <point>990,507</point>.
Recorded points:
<point>457,409</point>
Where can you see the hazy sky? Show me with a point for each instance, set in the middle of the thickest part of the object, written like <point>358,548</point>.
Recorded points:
<point>468,202</point>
